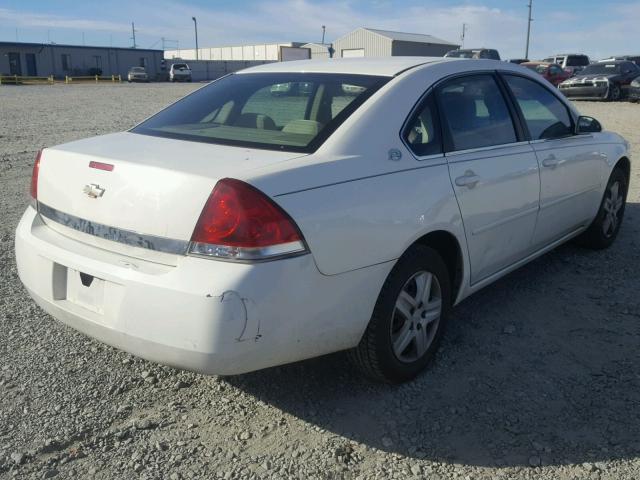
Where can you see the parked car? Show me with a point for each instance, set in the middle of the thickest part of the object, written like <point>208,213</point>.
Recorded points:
<point>571,62</point>
<point>601,80</point>
<point>518,61</point>
<point>137,74</point>
<point>552,72</point>
<point>632,58</point>
<point>234,230</point>
<point>180,72</point>
<point>634,90</point>
<point>475,53</point>
<point>291,88</point>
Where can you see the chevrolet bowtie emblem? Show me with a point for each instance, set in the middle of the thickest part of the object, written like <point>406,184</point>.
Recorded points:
<point>93,190</point>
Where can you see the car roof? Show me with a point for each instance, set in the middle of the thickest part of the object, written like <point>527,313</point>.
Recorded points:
<point>383,66</point>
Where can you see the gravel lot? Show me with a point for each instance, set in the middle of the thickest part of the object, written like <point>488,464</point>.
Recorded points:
<point>539,376</point>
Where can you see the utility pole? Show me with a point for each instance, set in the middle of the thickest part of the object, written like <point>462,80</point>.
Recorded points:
<point>526,53</point>
<point>324,29</point>
<point>195,24</point>
<point>133,34</point>
<point>464,32</point>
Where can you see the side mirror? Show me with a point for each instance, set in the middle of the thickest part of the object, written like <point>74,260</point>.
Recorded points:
<point>588,125</point>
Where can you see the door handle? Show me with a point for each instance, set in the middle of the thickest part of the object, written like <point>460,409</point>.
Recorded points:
<point>469,179</point>
<point>551,161</point>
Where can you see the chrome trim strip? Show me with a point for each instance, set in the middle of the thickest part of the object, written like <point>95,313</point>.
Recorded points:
<point>223,252</point>
<point>127,237</point>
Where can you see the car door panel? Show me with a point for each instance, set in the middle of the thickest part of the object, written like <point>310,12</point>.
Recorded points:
<point>499,210</point>
<point>571,166</point>
<point>571,171</point>
<point>495,175</point>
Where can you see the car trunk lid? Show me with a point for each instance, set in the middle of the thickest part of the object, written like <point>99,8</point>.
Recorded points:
<point>137,193</point>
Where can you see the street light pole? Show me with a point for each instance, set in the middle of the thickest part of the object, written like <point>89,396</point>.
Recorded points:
<point>324,28</point>
<point>195,24</point>
<point>526,54</point>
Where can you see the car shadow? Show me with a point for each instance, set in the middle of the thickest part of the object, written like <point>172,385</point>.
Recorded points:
<point>542,366</point>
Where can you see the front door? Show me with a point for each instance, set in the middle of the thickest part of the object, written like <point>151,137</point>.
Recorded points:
<point>571,166</point>
<point>32,71</point>
<point>495,175</point>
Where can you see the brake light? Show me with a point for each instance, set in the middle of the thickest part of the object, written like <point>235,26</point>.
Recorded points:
<point>239,222</point>
<point>34,176</point>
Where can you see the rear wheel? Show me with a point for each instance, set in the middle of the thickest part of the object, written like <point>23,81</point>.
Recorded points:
<point>408,319</point>
<point>605,227</point>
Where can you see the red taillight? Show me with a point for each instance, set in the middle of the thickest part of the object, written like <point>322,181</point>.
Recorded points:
<point>34,176</point>
<point>240,222</point>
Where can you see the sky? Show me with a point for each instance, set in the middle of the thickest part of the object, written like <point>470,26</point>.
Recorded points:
<point>597,28</point>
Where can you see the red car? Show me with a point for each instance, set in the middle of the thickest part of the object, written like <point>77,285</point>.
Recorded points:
<point>553,72</point>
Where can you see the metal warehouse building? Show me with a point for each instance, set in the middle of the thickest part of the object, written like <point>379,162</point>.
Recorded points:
<point>260,52</point>
<point>369,42</point>
<point>43,59</point>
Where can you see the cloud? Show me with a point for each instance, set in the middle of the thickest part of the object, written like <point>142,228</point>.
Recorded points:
<point>611,29</point>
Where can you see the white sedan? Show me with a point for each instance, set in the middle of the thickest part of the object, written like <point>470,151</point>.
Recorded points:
<point>237,229</point>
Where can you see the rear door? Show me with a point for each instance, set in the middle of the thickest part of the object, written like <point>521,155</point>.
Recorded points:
<point>571,166</point>
<point>494,173</point>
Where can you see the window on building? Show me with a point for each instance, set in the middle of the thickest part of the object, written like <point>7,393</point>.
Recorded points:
<point>66,62</point>
<point>143,62</point>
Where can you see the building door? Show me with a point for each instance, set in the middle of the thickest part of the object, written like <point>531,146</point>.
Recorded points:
<point>14,63</point>
<point>32,71</point>
<point>352,52</point>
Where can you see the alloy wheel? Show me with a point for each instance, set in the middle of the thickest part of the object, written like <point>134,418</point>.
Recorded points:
<point>612,207</point>
<point>416,316</point>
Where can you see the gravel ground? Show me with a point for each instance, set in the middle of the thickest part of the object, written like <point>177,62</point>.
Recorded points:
<point>539,376</point>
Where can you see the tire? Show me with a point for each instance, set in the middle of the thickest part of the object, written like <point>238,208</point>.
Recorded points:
<point>396,346</point>
<point>615,93</point>
<point>605,227</point>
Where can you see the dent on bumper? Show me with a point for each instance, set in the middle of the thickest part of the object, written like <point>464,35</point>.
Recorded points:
<point>203,315</point>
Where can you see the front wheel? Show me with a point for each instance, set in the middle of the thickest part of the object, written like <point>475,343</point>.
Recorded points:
<point>605,227</point>
<point>614,93</point>
<point>408,319</point>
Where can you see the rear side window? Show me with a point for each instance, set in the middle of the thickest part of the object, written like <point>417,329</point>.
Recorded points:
<point>475,113</point>
<point>423,131</point>
<point>545,115</point>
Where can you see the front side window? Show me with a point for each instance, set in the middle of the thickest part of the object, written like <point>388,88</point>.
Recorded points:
<point>545,115</point>
<point>475,113</point>
<point>278,111</point>
<point>423,132</point>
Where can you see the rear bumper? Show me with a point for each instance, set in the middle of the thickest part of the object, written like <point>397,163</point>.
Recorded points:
<point>202,315</point>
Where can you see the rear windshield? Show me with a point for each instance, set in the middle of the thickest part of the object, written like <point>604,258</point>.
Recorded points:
<point>577,61</point>
<point>461,54</point>
<point>601,69</point>
<point>180,66</point>
<point>137,69</point>
<point>277,111</point>
<point>537,67</point>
